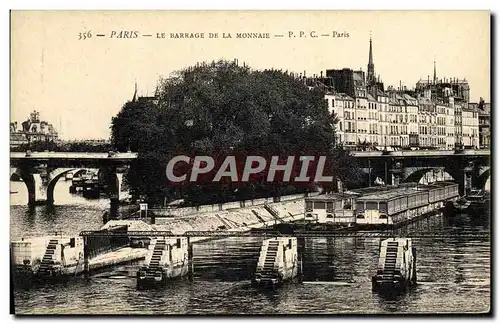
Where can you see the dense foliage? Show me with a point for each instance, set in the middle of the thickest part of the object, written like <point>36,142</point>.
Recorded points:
<point>224,109</point>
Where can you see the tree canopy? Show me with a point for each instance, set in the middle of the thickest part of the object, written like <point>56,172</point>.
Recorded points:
<point>225,109</point>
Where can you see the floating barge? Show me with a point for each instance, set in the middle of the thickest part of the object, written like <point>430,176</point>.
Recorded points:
<point>380,207</point>
<point>59,256</point>
<point>278,262</point>
<point>397,265</point>
<point>167,258</point>
<point>477,202</point>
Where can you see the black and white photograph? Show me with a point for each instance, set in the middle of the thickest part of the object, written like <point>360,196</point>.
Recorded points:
<point>250,162</point>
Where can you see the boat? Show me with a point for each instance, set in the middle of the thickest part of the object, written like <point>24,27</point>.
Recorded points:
<point>60,256</point>
<point>167,259</point>
<point>381,206</point>
<point>397,266</point>
<point>477,202</point>
<point>278,262</point>
<point>47,256</point>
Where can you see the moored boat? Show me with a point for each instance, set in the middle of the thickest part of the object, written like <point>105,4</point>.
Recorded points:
<point>278,262</point>
<point>47,256</point>
<point>396,268</point>
<point>477,202</point>
<point>167,259</point>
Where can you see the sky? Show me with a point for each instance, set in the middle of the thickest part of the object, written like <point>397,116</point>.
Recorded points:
<point>80,84</point>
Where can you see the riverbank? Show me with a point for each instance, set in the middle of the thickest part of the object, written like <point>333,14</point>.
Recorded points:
<point>234,220</point>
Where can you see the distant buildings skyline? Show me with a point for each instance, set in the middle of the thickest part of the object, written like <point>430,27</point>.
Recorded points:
<point>76,83</point>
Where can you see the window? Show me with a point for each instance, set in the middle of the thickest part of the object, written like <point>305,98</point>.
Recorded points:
<point>329,205</point>
<point>319,205</point>
<point>360,206</point>
<point>371,205</point>
<point>309,206</point>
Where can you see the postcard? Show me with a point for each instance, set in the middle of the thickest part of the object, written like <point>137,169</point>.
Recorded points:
<point>250,162</point>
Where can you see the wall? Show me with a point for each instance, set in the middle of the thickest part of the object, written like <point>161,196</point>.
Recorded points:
<point>241,219</point>
<point>186,211</point>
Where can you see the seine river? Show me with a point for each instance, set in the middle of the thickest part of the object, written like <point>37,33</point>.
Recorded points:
<point>453,272</point>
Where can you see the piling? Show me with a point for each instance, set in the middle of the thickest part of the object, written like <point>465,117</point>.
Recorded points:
<point>300,252</point>
<point>190,260</point>
<point>86,252</point>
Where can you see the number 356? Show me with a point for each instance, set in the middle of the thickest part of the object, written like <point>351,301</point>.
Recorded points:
<point>84,35</point>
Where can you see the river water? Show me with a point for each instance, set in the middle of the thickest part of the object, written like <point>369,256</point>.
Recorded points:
<point>453,272</point>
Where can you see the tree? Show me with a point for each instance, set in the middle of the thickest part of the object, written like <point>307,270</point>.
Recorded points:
<point>224,109</point>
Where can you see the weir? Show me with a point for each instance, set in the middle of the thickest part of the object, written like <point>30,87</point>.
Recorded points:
<point>278,262</point>
<point>396,266</point>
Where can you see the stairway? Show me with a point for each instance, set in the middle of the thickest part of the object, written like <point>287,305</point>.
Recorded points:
<point>154,263</point>
<point>48,258</point>
<point>157,253</point>
<point>273,212</point>
<point>268,267</point>
<point>391,255</point>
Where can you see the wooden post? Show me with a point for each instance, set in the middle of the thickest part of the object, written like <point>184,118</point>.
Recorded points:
<point>86,252</point>
<point>300,249</point>
<point>190,261</point>
<point>369,174</point>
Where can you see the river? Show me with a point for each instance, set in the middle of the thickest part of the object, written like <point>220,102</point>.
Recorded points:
<point>453,272</point>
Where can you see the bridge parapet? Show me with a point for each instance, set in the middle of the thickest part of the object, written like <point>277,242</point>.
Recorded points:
<point>420,153</point>
<point>72,155</point>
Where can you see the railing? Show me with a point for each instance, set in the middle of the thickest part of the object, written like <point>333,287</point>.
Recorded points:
<point>302,234</point>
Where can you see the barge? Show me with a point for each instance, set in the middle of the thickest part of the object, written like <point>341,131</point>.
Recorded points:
<point>60,256</point>
<point>47,256</point>
<point>278,262</point>
<point>380,207</point>
<point>397,265</point>
<point>167,258</point>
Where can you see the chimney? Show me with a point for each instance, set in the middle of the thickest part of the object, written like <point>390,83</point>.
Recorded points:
<point>321,74</point>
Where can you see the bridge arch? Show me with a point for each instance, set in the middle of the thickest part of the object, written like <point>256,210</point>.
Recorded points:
<point>15,174</point>
<point>440,173</point>
<point>55,176</point>
<point>483,178</point>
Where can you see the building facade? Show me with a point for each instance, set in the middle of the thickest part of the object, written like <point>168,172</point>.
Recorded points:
<point>436,114</point>
<point>32,130</point>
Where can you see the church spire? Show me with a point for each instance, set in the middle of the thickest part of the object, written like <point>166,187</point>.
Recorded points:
<point>134,99</point>
<point>370,76</point>
<point>435,77</point>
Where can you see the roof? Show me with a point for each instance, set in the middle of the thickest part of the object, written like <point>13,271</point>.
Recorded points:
<point>332,196</point>
<point>340,95</point>
<point>370,97</point>
<point>393,101</point>
<point>386,195</point>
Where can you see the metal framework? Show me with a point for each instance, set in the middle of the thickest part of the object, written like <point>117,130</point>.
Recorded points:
<point>302,234</point>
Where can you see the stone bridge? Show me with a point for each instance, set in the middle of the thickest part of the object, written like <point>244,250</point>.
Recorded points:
<point>469,168</point>
<point>41,170</point>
